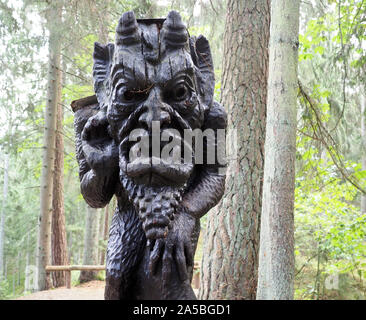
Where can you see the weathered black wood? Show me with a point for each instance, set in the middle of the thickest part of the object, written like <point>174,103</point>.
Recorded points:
<point>154,73</point>
<point>84,102</point>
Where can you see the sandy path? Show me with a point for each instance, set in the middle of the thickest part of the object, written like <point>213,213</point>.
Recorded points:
<point>93,290</point>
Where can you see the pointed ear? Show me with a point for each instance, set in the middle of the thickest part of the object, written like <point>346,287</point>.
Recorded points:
<point>203,59</point>
<point>103,57</point>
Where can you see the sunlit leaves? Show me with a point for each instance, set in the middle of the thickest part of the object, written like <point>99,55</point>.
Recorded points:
<point>327,215</point>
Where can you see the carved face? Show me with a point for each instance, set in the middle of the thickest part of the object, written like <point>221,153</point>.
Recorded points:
<point>154,77</point>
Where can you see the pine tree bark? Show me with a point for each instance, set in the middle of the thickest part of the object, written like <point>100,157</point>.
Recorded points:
<point>48,157</point>
<point>3,210</point>
<point>230,254</point>
<point>276,256</point>
<point>91,238</point>
<point>58,239</point>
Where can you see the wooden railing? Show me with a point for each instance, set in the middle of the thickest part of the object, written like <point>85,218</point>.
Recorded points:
<point>68,269</point>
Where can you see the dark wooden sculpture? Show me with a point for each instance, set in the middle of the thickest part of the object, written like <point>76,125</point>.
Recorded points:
<point>154,73</point>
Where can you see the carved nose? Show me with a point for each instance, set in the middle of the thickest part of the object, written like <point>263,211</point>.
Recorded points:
<point>164,118</point>
<point>145,119</point>
<point>151,115</point>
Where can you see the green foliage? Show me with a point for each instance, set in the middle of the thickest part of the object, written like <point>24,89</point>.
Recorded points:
<point>4,290</point>
<point>100,276</point>
<point>330,229</point>
<point>329,226</point>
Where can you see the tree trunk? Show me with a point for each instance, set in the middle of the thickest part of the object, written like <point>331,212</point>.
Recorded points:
<point>276,256</point>
<point>230,254</point>
<point>3,210</point>
<point>59,244</point>
<point>90,240</point>
<point>53,99</point>
<point>70,256</point>
<point>363,139</point>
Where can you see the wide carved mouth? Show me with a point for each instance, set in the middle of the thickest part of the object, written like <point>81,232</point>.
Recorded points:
<point>159,172</point>
<point>156,167</point>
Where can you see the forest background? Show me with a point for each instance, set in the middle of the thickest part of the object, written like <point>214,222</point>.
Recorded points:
<point>330,212</point>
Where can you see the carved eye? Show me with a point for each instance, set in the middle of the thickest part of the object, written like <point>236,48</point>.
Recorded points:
<point>128,95</point>
<point>180,92</point>
<point>132,95</point>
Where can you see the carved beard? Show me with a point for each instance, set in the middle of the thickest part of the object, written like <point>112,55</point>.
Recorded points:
<point>155,204</point>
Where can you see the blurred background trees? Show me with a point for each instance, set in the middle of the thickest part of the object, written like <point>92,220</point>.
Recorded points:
<point>330,227</point>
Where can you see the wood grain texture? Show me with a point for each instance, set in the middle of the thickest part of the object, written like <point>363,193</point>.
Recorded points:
<point>153,73</point>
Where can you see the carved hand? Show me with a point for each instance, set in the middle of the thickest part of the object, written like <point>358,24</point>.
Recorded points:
<point>100,150</point>
<point>177,246</point>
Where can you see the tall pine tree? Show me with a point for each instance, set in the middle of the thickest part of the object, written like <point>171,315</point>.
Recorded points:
<point>276,259</point>
<point>54,20</point>
<point>230,260</point>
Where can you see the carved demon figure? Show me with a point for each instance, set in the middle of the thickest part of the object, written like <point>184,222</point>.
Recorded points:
<point>154,74</point>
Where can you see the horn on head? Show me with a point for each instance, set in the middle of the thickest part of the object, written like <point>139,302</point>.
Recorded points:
<point>175,31</point>
<point>127,31</point>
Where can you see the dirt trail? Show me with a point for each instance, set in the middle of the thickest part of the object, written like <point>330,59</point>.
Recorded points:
<point>93,290</point>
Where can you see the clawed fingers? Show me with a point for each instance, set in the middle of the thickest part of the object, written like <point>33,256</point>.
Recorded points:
<point>90,128</point>
<point>167,263</point>
<point>155,255</point>
<point>188,252</point>
<point>96,127</point>
<point>180,260</point>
